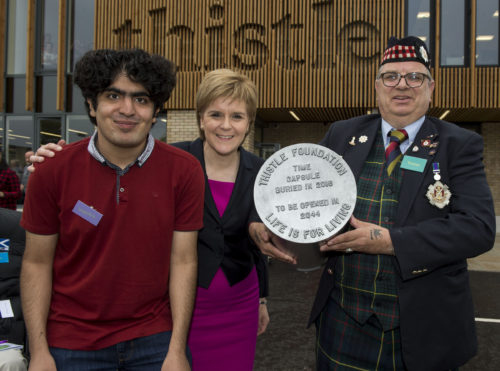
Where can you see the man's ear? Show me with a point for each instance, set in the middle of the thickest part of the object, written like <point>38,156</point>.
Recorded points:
<point>155,116</point>
<point>91,107</point>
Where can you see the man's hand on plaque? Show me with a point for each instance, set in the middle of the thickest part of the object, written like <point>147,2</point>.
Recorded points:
<point>366,238</point>
<point>270,244</point>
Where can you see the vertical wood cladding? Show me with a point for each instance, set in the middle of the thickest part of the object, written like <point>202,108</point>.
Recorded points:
<point>300,53</point>
<point>61,56</point>
<point>30,55</point>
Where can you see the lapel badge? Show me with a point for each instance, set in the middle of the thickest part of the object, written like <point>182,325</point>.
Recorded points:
<point>353,141</point>
<point>415,149</point>
<point>434,145</point>
<point>363,139</point>
<point>438,194</point>
<point>426,142</point>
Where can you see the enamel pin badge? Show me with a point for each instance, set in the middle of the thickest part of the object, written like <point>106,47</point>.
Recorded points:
<point>362,139</point>
<point>438,193</point>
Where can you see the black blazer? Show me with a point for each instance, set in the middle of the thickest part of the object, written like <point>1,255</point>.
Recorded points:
<point>431,244</point>
<point>225,242</point>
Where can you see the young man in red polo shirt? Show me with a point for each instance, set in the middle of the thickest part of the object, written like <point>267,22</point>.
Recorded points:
<point>109,273</point>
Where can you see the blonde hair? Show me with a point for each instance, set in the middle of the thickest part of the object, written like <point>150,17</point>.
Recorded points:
<point>225,83</point>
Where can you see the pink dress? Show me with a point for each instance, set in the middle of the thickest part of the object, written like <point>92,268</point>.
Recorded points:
<point>223,331</point>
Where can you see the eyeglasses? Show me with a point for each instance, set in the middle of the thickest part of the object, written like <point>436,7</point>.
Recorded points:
<point>413,79</point>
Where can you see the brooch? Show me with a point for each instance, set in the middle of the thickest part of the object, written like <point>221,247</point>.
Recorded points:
<point>363,139</point>
<point>426,142</point>
<point>438,194</point>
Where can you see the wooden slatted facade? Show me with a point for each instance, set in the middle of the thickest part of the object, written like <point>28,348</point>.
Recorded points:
<point>30,56</point>
<point>317,57</point>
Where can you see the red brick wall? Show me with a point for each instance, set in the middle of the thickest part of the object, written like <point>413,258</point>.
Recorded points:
<point>182,126</point>
<point>292,133</point>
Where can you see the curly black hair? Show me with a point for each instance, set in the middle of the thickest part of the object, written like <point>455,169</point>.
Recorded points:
<point>97,70</point>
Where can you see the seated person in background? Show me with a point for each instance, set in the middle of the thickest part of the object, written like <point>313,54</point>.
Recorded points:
<point>10,190</point>
<point>12,329</point>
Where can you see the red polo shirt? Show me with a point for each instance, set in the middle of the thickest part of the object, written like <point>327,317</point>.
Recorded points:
<point>110,280</point>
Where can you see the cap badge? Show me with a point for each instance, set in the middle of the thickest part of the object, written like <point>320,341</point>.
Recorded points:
<point>423,54</point>
<point>438,194</point>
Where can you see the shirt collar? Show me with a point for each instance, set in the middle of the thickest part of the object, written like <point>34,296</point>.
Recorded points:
<point>94,152</point>
<point>411,129</point>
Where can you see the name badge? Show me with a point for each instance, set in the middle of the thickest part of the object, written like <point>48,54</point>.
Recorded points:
<point>6,309</point>
<point>87,213</point>
<point>413,163</point>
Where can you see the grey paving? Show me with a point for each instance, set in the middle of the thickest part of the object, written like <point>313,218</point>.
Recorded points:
<point>289,346</point>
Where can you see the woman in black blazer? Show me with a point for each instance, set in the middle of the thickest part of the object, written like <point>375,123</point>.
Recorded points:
<point>230,307</point>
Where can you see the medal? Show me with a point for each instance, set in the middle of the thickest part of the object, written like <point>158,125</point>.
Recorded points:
<point>438,193</point>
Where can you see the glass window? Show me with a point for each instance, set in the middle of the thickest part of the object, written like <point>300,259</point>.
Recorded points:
<point>49,35</point>
<point>1,134</point>
<point>19,138</point>
<point>159,129</point>
<point>79,127</point>
<point>46,94</point>
<point>453,33</point>
<point>15,95</point>
<point>419,20</point>
<point>50,130</point>
<point>487,26</point>
<point>77,101</point>
<point>16,39</point>
<point>82,30</point>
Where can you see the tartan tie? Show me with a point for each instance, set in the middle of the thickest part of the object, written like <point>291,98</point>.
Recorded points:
<point>393,153</point>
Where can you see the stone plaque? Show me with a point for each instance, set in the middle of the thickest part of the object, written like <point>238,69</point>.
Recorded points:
<point>305,193</point>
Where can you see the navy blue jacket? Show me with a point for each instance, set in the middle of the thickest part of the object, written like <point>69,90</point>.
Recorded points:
<point>432,245</point>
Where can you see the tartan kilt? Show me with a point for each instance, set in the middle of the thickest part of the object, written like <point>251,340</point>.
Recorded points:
<point>344,344</point>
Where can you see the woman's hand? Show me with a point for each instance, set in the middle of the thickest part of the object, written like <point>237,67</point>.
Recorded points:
<point>47,150</point>
<point>263,316</point>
